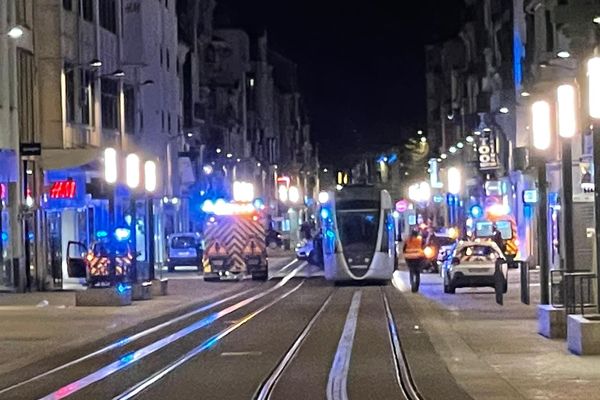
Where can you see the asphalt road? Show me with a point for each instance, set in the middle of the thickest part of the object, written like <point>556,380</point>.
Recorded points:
<point>294,337</point>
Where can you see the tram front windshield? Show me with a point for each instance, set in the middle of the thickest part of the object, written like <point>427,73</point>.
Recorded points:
<point>358,228</point>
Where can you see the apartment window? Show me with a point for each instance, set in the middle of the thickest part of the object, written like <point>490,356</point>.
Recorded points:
<point>168,59</point>
<point>86,99</point>
<point>87,10</point>
<point>24,12</point>
<point>25,95</point>
<point>162,120</point>
<point>110,103</point>
<point>549,31</point>
<point>169,123</point>
<point>129,94</point>
<point>167,4</point>
<point>108,15</point>
<point>141,120</point>
<point>69,93</point>
<point>161,56</point>
<point>68,5</point>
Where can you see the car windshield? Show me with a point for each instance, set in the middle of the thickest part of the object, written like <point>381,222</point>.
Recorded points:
<point>183,242</point>
<point>444,241</point>
<point>111,248</point>
<point>477,254</point>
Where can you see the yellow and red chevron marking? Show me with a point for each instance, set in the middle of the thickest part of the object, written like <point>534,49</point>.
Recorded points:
<point>233,234</point>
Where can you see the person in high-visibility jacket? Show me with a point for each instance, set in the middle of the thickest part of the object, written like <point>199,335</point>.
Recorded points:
<point>415,259</point>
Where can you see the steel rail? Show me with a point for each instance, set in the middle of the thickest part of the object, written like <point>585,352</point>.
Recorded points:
<point>266,388</point>
<point>207,344</point>
<point>139,354</point>
<point>403,374</point>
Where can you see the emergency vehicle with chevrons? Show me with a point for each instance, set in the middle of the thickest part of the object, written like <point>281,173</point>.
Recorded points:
<point>234,242</point>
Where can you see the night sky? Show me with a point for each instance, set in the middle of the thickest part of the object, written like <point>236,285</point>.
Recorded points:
<point>361,63</point>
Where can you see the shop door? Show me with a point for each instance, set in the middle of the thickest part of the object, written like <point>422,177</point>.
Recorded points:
<point>55,256</point>
<point>30,252</point>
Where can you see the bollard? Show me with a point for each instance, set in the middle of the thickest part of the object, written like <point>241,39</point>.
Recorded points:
<point>525,280</point>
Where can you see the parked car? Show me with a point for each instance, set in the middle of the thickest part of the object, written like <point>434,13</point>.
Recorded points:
<point>184,250</point>
<point>473,265</point>
<point>303,249</point>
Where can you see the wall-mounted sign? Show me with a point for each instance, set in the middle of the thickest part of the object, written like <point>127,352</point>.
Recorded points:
<point>487,150</point>
<point>434,174</point>
<point>530,196</point>
<point>63,189</point>
<point>496,188</point>
<point>30,149</point>
<point>437,198</point>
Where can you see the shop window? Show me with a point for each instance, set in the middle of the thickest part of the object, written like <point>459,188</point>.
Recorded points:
<point>110,94</point>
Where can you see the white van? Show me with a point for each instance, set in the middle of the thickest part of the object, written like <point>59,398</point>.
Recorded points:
<point>184,250</point>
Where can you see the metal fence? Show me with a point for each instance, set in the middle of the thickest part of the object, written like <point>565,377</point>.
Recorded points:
<point>572,290</point>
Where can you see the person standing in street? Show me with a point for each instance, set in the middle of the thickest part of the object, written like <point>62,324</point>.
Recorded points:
<point>415,258</point>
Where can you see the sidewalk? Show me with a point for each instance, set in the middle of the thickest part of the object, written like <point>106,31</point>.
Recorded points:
<point>34,326</point>
<point>494,351</point>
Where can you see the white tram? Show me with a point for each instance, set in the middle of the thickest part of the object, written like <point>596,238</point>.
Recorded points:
<point>358,234</point>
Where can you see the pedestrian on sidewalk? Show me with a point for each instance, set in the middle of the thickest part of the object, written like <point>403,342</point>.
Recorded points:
<point>415,259</point>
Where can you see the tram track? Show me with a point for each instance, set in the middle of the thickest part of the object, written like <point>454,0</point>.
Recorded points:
<point>125,358</point>
<point>339,375</point>
<point>402,369</point>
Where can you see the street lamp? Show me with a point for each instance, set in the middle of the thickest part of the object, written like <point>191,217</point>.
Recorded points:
<point>110,165</point>
<point>593,72</point>
<point>567,114</point>
<point>454,180</point>
<point>15,32</point>
<point>542,137</point>
<point>132,170</point>
<point>150,176</point>
<point>540,115</point>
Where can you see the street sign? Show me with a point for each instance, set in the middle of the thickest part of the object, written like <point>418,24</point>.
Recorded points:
<point>401,205</point>
<point>530,196</point>
<point>30,149</point>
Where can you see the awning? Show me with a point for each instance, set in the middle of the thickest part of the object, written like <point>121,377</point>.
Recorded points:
<point>53,159</point>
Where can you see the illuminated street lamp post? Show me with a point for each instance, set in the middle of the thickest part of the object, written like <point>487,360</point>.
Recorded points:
<point>566,103</point>
<point>542,137</point>
<point>593,72</point>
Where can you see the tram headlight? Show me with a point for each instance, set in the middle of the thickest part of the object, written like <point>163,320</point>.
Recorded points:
<point>323,197</point>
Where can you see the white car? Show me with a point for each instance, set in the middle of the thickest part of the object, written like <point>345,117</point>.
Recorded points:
<point>473,265</point>
<point>303,249</point>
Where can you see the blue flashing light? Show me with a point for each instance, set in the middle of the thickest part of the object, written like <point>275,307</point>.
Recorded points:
<point>259,204</point>
<point>30,236</point>
<point>122,234</point>
<point>330,234</point>
<point>476,211</point>
<point>324,213</point>
<point>392,158</point>
<point>101,234</point>
<point>208,206</point>
<point>4,236</point>
<point>122,288</point>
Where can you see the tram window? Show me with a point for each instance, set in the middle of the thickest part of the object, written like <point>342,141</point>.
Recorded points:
<point>358,227</point>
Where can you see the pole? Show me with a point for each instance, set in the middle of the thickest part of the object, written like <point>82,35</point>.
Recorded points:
<point>596,162</point>
<point>151,238</point>
<point>567,203</point>
<point>133,233</point>
<point>543,232</point>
